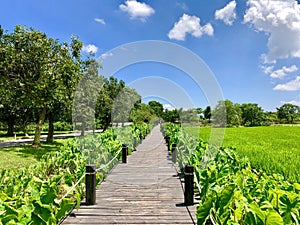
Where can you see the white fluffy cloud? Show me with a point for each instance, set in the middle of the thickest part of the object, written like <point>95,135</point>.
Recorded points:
<point>293,85</point>
<point>293,102</point>
<point>280,19</point>
<point>168,107</point>
<point>280,73</point>
<point>137,10</point>
<point>100,20</point>
<point>227,14</point>
<point>90,49</point>
<point>189,25</point>
<point>106,55</point>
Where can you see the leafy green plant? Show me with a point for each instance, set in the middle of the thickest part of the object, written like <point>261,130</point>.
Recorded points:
<point>232,192</point>
<point>31,196</point>
<point>36,195</point>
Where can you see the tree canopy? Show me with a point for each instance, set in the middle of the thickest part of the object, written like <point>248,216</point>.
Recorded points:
<point>252,114</point>
<point>288,112</point>
<point>38,71</point>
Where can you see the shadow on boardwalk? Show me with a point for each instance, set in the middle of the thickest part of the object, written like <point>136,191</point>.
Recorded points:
<point>146,190</point>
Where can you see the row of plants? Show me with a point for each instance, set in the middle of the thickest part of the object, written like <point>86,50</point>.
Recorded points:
<point>231,191</point>
<point>35,195</point>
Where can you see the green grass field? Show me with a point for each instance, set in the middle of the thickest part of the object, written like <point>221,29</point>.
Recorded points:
<point>273,149</point>
<point>25,155</point>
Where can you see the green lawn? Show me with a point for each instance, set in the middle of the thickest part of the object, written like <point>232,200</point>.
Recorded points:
<point>273,149</point>
<point>25,155</point>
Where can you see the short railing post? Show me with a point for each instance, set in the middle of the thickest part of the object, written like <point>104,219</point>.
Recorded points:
<point>90,185</point>
<point>189,185</point>
<point>167,141</point>
<point>124,153</point>
<point>174,153</point>
<point>141,138</point>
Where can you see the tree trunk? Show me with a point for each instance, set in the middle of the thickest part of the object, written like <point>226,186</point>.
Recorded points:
<point>83,128</point>
<point>24,125</point>
<point>37,141</point>
<point>10,125</point>
<point>50,137</point>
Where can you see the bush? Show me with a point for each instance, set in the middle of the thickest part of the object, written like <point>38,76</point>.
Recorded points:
<point>62,126</point>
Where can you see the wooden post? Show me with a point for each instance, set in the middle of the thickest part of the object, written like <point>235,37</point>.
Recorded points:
<point>90,185</point>
<point>167,141</point>
<point>174,153</point>
<point>189,185</point>
<point>124,153</point>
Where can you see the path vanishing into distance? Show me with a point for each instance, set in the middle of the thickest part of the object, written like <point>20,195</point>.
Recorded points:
<point>145,190</point>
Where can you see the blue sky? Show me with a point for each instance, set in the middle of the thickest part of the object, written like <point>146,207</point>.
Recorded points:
<point>252,47</point>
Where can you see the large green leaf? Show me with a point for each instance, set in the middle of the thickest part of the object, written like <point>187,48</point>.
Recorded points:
<point>48,193</point>
<point>273,218</point>
<point>65,206</point>
<point>257,211</point>
<point>226,195</point>
<point>203,211</point>
<point>42,212</point>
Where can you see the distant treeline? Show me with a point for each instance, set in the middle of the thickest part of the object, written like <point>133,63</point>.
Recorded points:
<point>234,114</point>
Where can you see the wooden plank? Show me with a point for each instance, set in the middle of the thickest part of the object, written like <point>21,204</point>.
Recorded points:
<point>145,190</point>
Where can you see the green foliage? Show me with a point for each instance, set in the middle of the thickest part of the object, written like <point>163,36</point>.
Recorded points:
<point>41,71</point>
<point>114,103</point>
<point>142,114</point>
<point>63,126</point>
<point>288,112</point>
<point>126,101</point>
<point>140,130</point>
<point>157,108</point>
<point>189,115</point>
<point>252,115</point>
<point>232,192</point>
<point>99,149</point>
<point>171,115</point>
<point>226,113</point>
<point>86,94</point>
<point>207,113</point>
<point>172,131</point>
<point>34,195</point>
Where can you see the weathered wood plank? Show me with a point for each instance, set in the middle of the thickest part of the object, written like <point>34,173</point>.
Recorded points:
<point>146,190</point>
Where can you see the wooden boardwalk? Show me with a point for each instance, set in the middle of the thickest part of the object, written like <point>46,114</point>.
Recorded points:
<point>146,190</point>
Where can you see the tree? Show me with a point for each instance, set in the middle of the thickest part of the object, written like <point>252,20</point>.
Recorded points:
<point>189,115</point>
<point>142,113</point>
<point>227,113</point>
<point>105,101</point>
<point>70,70</point>
<point>157,108</point>
<point>123,104</point>
<point>87,92</point>
<point>39,70</point>
<point>171,115</point>
<point>207,113</point>
<point>271,117</point>
<point>252,114</point>
<point>288,112</point>
<point>11,97</point>
<point>200,112</point>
